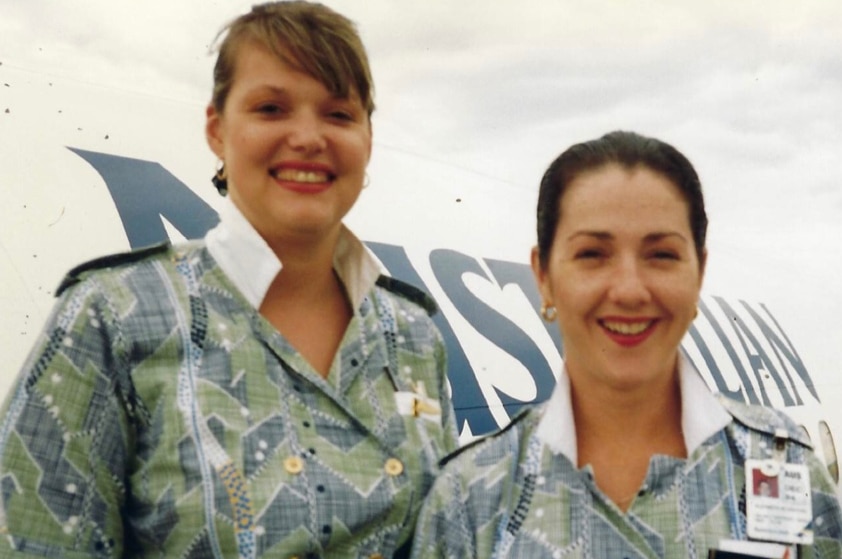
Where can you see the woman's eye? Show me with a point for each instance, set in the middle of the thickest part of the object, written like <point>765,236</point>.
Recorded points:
<point>664,255</point>
<point>590,253</point>
<point>270,109</point>
<point>342,115</point>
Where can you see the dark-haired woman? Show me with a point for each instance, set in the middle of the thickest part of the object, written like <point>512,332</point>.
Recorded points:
<point>632,456</point>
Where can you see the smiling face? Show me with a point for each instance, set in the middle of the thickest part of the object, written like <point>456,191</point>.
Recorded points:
<point>295,154</point>
<point>624,274</point>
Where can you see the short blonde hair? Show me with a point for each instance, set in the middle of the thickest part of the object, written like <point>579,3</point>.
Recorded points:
<point>322,43</point>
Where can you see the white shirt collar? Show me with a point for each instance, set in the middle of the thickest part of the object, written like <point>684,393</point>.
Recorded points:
<point>701,414</point>
<point>251,265</point>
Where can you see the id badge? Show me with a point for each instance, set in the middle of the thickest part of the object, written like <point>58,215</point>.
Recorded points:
<point>779,504</point>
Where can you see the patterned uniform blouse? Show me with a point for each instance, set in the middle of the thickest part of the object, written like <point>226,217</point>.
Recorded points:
<point>518,494</point>
<point>162,416</point>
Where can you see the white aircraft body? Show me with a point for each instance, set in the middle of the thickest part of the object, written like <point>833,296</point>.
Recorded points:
<point>88,170</point>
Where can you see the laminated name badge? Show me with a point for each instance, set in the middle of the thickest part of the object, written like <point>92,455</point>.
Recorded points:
<point>779,506</point>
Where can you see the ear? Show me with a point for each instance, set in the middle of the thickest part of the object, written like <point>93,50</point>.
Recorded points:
<point>213,131</point>
<point>541,277</point>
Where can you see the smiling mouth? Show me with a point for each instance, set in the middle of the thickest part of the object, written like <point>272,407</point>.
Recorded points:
<point>302,176</point>
<point>627,328</point>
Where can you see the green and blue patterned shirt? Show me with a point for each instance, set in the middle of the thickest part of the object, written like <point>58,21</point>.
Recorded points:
<point>519,493</point>
<point>161,416</point>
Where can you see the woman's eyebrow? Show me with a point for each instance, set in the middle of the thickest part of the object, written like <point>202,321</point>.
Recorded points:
<point>601,235</point>
<point>661,235</point>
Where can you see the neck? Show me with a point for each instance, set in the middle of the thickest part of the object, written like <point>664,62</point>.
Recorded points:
<point>307,302</point>
<point>618,432</point>
<point>608,413</point>
<point>306,263</point>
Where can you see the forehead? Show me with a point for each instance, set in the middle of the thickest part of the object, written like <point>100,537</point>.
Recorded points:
<point>614,195</point>
<point>255,64</point>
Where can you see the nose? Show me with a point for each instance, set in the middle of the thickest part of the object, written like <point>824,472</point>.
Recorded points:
<point>628,287</point>
<point>306,134</point>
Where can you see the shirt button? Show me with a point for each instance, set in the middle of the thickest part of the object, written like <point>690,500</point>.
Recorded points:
<point>393,467</point>
<point>293,465</point>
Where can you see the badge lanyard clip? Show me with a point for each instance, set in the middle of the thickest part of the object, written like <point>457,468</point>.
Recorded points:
<point>779,450</point>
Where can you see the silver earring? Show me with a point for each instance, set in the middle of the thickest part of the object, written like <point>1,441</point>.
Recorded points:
<point>366,181</point>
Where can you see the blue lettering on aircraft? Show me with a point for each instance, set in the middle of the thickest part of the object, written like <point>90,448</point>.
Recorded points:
<point>145,194</point>
<point>449,266</point>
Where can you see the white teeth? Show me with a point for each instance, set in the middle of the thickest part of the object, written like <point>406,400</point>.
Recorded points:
<point>627,328</point>
<point>297,175</point>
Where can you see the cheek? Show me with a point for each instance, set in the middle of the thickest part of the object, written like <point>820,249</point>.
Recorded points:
<point>682,301</point>
<point>574,297</point>
<point>572,287</point>
<point>250,142</point>
<point>355,149</point>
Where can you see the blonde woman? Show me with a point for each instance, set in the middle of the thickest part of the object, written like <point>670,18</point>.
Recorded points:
<point>252,394</point>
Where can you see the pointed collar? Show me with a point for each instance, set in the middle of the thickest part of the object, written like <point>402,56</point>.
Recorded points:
<point>701,413</point>
<point>252,265</point>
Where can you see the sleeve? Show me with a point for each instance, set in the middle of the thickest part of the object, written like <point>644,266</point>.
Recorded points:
<point>448,416</point>
<point>64,437</point>
<point>827,517</point>
<point>443,530</point>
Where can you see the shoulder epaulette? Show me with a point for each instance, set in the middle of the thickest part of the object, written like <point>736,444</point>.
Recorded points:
<point>518,417</point>
<point>75,275</point>
<point>765,420</point>
<point>410,292</point>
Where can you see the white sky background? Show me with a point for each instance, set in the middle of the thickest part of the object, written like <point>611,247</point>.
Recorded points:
<point>750,91</point>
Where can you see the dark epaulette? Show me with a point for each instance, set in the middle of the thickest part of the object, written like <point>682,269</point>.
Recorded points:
<point>75,275</point>
<point>408,291</point>
<point>519,416</point>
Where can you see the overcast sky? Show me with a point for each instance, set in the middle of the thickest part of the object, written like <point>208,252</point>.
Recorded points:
<point>750,91</point>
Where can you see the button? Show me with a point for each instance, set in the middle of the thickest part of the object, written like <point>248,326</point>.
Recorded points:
<point>393,467</point>
<point>293,465</point>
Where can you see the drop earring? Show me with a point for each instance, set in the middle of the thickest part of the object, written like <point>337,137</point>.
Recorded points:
<point>220,179</point>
